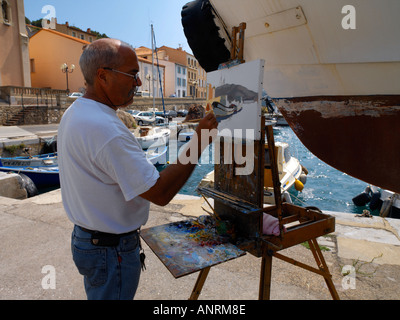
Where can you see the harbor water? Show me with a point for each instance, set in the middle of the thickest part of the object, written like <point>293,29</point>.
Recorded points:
<point>326,188</point>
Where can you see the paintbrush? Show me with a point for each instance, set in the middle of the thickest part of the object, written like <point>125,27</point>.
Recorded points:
<point>215,214</point>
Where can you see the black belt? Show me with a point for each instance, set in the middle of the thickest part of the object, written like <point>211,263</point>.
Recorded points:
<point>105,239</point>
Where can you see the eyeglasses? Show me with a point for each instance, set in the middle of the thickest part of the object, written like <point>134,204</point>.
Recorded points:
<point>134,76</point>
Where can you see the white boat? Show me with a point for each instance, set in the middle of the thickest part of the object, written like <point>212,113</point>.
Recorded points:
<point>157,156</point>
<point>221,108</point>
<point>291,173</point>
<point>270,121</point>
<point>331,67</point>
<point>152,137</point>
<point>280,120</point>
<point>185,135</point>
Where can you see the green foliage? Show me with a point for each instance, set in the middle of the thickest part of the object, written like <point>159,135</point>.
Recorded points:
<point>323,248</point>
<point>12,150</point>
<point>38,23</point>
<point>99,35</point>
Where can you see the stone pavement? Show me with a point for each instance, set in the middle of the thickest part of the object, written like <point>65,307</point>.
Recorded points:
<point>35,237</point>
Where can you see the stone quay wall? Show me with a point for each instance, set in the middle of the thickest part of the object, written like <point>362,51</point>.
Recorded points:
<point>27,106</point>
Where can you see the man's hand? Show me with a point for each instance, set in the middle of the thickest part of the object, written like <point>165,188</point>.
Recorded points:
<point>210,124</point>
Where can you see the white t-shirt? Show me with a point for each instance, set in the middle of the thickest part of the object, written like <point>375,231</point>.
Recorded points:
<point>103,169</point>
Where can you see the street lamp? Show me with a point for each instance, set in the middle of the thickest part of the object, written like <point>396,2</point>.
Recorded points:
<point>65,69</point>
<point>194,83</point>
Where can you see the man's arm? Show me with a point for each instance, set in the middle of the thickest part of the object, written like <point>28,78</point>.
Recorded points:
<point>175,176</point>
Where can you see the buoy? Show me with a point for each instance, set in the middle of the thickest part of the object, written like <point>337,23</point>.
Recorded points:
<point>298,185</point>
<point>29,186</point>
<point>303,178</point>
<point>305,171</point>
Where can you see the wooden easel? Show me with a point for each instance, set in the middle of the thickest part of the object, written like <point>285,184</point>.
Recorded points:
<point>244,208</point>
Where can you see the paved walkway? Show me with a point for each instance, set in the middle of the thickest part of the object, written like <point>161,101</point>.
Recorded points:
<point>35,237</point>
<point>14,132</point>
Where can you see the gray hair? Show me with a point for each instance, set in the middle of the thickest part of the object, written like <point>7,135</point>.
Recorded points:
<point>100,54</point>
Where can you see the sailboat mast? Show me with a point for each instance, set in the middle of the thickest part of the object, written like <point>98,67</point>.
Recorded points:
<point>152,67</point>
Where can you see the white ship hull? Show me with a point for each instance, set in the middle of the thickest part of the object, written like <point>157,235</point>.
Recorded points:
<point>338,88</point>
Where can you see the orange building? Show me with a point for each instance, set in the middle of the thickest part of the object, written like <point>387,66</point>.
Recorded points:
<point>49,50</point>
<point>14,50</point>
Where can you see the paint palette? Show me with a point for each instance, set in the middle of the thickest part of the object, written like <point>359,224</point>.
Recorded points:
<point>189,246</point>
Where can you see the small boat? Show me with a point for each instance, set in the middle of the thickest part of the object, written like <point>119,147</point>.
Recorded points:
<point>272,114</point>
<point>41,160</point>
<point>291,173</point>
<point>270,122</point>
<point>185,135</point>
<point>222,110</point>
<point>157,156</point>
<point>386,202</point>
<point>151,137</point>
<point>41,176</point>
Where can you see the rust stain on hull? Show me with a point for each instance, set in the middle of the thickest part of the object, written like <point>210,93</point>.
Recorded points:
<point>358,135</point>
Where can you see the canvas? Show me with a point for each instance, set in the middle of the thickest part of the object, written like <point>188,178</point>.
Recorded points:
<point>234,95</point>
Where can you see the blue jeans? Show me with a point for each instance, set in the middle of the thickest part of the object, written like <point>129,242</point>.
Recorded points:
<point>110,273</point>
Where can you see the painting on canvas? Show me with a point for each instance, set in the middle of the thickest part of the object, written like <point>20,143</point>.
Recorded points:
<point>234,96</point>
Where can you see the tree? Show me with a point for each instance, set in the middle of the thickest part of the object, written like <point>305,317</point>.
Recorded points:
<point>36,23</point>
<point>99,35</point>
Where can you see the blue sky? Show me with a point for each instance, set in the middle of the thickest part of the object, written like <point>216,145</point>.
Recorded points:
<point>128,20</point>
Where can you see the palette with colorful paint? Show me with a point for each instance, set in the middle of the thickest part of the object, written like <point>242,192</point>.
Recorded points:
<point>189,246</point>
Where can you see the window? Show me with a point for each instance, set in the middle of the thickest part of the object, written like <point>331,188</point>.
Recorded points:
<point>82,37</point>
<point>287,155</point>
<point>90,39</point>
<point>6,11</point>
<point>74,34</point>
<point>33,67</point>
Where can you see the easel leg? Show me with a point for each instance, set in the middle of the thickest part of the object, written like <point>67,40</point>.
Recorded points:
<point>199,283</point>
<point>265,277</point>
<point>319,258</point>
